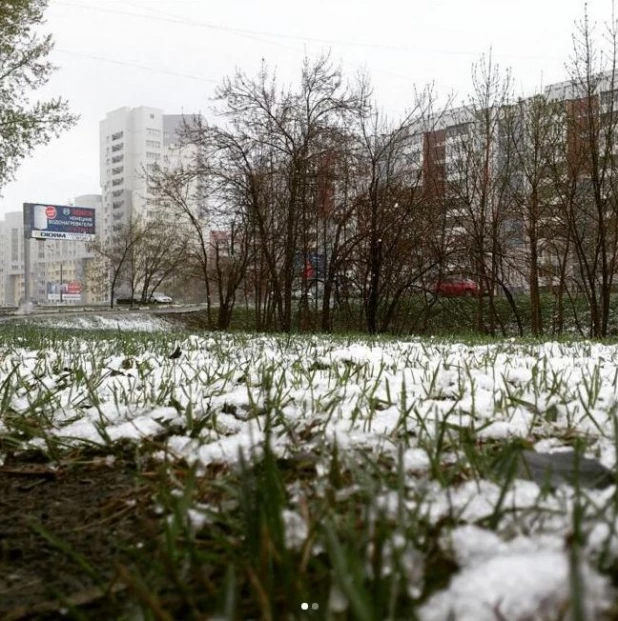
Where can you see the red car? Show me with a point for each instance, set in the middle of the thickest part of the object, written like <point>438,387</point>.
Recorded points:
<point>455,286</point>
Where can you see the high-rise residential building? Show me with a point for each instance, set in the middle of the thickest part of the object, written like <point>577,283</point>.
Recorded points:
<point>133,141</point>
<point>4,252</point>
<point>12,244</point>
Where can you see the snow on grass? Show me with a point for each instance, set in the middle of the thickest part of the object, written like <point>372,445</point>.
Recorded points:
<point>140,322</point>
<point>430,415</point>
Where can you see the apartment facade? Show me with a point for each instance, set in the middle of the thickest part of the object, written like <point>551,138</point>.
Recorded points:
<point>133,142</point>
<point>454,166</point>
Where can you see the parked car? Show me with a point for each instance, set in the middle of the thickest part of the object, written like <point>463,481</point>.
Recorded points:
<point>456,286</point>
<point>299,294</point>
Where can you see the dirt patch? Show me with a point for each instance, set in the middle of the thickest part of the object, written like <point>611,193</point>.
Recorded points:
<point>63,535</point>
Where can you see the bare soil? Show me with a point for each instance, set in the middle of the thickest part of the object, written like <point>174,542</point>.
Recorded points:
<point>66,534</point>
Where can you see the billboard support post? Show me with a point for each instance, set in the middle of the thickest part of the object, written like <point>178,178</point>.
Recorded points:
<point>60,282</point>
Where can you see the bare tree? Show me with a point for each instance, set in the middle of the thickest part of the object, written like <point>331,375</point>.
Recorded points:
<point>232,255</point>
<point>158,256</point>
<point>263,162</point>
<point>116,252</point>
<point>182,192</point>
<point>390,211</point>
<point>477,190</point>
<point>589,186</point>
<point>534,128</point>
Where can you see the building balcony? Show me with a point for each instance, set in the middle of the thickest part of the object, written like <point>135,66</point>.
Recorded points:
<point>118,170</point>
<point>117,204</point>
<point>117,182</point>
<point>117,147</point>
<point>117,135</point>
<point>117,158</point>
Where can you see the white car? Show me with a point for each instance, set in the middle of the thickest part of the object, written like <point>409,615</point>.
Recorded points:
<point>160,298</point>
<point>299,294</point>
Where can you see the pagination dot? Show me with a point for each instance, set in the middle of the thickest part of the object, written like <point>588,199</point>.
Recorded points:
<point>315,606</point>
<point>304,606</point>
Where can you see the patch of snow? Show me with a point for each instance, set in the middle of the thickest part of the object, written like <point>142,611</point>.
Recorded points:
<point>296,529</point>
<point>533,585</point>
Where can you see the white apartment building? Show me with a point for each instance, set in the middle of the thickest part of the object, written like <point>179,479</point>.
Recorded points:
<point>4,257</point>
<point>132,142</point>
<point>52,263</point>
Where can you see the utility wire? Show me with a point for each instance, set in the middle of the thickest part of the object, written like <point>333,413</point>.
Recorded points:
<point>383,71</point>
<point>130,64</point>
<point>248,34</point>
<point>159,15</point>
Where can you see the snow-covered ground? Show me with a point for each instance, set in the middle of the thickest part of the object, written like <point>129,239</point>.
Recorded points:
<point>417,406</point>
<point>141,322</point>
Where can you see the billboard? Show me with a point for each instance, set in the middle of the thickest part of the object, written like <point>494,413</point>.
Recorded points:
<point>71,291</point>
<point>60,222</point>
<point>311,265</point>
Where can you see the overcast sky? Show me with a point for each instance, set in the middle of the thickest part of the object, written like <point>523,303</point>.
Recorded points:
<point>171,54</point>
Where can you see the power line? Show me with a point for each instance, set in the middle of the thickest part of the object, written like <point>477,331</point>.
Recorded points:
<point>242,33</point>
<point>161,16</point>
<point>280,35</point>
<point>130,64</point>
<point>247,34</point>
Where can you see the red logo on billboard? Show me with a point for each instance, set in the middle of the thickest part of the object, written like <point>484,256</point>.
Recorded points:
<point>50,212</point>
<point>74,287</point>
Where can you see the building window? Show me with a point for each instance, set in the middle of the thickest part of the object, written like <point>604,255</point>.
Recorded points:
<point>609,97</point>
<point>458,130</point>
<point>152,116</point>
<point>153,144</point>
<point>152,156</point>
<point>153,133</point>
<point>117,135</point>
